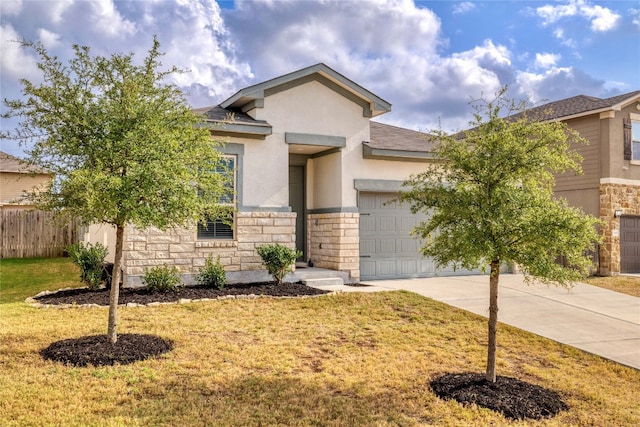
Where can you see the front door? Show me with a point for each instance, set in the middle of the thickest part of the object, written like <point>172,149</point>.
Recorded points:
<point>297,203</point>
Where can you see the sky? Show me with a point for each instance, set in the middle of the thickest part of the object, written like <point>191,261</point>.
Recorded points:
<point>427,58</point>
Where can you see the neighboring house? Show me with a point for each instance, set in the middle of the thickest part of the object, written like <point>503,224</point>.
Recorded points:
<point>609,188</point>
<point>16,180</point>
<point>312,171</point>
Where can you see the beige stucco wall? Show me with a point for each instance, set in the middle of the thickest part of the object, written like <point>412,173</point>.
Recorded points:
<point>14,185</point>
<point>313,108</point>
<point>360,168</point>
<point>103,234</point>
<point>324,176</point>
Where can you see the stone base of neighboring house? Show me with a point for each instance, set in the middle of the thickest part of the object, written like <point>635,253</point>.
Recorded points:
<point>333,241</point>
<point>615,196</point>
<point>144,249</point>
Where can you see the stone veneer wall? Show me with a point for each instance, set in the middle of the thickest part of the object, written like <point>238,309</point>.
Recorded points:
<point>612,197</point>
<point>179,247</point>
<point>333,240</point>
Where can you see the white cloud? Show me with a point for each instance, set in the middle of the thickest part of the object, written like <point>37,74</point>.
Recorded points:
<point>635,20</point>
<point>346,34</point>
<point>601,18</point>
<point>108,21</point>
<point>547,60</point>
<point>394,48</point>
<point>556,83</point>
<point>10,7</point>
<point>464,7</point>
<point>551,14</point>
<point>48,39</point>
<point>56,9</point>
<point>16,62</point>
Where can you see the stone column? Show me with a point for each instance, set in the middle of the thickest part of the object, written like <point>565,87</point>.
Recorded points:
<point>333,240</point>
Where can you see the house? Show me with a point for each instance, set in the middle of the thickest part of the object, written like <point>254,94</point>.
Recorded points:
<point>16,180</point>
<point>609,188</point>
<point>312,171</point>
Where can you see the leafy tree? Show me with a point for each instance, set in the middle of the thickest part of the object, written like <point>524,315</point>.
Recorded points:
<point>123,144</point>
<point>491,202</point>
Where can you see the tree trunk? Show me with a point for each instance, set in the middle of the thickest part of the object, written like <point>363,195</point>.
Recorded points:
<point>493,320</point>
<point>112,335</point>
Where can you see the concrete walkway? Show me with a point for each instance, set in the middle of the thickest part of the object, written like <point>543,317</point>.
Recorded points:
<point>592,319</point>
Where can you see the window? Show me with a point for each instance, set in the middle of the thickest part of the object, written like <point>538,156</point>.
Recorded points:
<point>219,228</point>
<point>635,140</point>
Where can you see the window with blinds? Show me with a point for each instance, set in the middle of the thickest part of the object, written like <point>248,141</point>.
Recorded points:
<point>218,228</point>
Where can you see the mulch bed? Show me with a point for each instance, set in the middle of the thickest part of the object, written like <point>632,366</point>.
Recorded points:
<point>511,397</point>
<point>142,296</point>
<point>95,350</point>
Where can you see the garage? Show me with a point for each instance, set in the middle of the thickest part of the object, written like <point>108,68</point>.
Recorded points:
<point>387,249</point>
<point>630,244</point>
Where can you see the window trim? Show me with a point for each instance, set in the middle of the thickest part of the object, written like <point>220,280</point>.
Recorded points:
<point>635,143</point>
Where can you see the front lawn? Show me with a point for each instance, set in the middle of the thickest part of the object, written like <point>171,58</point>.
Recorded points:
<point>340,360</point>
<point>21,278</point>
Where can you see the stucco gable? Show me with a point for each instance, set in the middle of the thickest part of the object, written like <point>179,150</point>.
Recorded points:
<point>253,96</point>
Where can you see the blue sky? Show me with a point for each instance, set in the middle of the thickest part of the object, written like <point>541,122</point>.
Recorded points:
<point>428,58</point>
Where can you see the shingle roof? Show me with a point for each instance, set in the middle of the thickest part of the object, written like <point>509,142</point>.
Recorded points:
<point>9,163</point>
<point>387,137</point>
<point>578,105</point>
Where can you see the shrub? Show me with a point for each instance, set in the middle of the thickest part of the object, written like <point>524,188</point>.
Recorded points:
<point>278,259</point>
<point>212,274</point>
<point>162,279</point>
<point>90,260</point>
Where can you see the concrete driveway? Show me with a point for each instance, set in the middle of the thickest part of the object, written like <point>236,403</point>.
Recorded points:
<point>592,319</point>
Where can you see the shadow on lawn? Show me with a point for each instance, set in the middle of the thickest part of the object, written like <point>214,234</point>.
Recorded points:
<point>261,400</point>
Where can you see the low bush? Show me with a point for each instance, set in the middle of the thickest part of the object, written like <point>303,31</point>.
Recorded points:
<point>90,259</point>
<point>162,279</point>
<point>212,274</point>
<point>278,259</point>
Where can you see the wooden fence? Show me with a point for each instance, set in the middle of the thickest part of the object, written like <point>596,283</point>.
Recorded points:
<point>33,233</point>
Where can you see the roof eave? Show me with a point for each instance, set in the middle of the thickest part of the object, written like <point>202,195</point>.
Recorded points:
<point>371,153</point>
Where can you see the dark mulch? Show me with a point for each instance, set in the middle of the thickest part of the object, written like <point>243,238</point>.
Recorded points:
<point>142,296</point>
<point>513,398</point>
<point>96,350</point>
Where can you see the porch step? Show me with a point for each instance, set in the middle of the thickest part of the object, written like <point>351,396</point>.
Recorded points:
<point>324,282</point>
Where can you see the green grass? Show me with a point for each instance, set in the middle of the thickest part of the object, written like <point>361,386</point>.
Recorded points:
<point>21,278</point>
<point>341,360</point>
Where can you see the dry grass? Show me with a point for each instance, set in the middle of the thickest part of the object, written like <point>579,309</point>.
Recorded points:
<point>340,360</point>
<point>629,285</point>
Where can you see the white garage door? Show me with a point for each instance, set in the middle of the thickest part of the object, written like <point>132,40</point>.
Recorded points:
<point>387,249</point>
